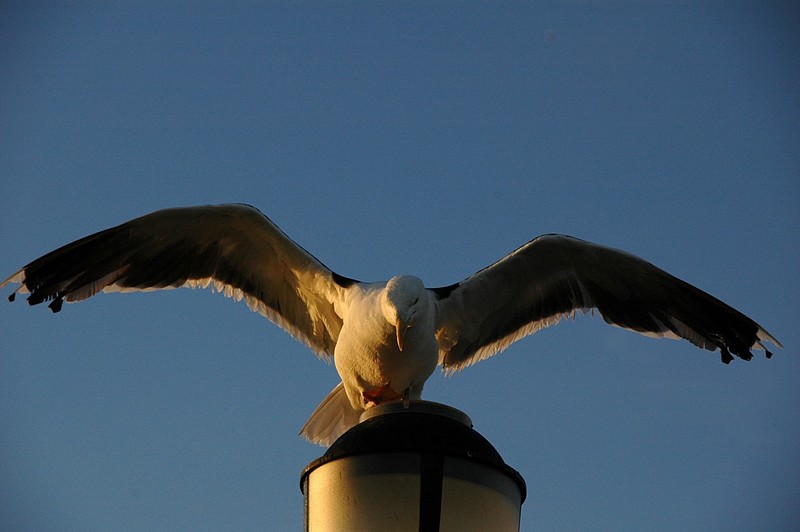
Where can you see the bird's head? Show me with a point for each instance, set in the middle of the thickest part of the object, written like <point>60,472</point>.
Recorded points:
<point>402,299</point>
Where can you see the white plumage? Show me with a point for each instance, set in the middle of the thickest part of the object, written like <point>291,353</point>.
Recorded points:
<point>386,338</point>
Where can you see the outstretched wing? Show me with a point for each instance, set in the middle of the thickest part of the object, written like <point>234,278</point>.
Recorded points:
<point>234,249</point>
<point>552,276</point>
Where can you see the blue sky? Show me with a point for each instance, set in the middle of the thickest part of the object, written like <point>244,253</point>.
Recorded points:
<point>420,138</point>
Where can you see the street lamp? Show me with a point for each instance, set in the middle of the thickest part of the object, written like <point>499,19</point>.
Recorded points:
<point>412,466</point>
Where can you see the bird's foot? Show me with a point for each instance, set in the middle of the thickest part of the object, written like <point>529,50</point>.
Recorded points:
<point>382,394</point>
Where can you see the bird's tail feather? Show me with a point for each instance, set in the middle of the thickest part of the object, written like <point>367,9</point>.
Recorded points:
<point>331,419</point>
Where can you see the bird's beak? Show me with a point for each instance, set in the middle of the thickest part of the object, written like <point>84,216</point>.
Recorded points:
<point>400,329</point>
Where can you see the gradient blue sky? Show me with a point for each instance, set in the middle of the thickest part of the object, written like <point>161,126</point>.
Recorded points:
<point>385,138</point>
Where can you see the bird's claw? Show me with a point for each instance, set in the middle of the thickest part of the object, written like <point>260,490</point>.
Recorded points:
<point>382,394</point>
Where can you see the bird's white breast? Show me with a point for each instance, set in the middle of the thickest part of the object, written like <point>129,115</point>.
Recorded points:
<point>367,355</point>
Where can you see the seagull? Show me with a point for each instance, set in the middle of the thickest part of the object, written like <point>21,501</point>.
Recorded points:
<point>385,338</point>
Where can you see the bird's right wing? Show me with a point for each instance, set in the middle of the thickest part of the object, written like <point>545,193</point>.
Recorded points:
<point>233,249</point>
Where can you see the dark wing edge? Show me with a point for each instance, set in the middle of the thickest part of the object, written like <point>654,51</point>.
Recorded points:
<point>553,276</point>
<point>233,249</point>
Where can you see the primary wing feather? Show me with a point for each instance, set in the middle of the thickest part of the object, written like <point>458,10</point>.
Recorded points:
<point>232,248</point>
<point>552,276</point>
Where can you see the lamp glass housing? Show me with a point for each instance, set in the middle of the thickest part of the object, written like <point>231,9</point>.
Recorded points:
<point>409,467</point>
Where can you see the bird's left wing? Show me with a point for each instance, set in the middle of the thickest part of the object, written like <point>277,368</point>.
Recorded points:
<point>552,276</point>
<point>233,249</point>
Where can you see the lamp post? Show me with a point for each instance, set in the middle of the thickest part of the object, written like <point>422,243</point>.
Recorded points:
<point>412,466</point>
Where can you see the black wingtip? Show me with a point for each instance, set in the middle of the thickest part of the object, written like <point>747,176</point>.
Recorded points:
<point>55,306</point>
<point>12,297</point>
<point>769,354</point>
<point>725,355</point>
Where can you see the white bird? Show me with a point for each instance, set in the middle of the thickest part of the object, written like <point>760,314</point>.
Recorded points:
<point>386,338</point>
